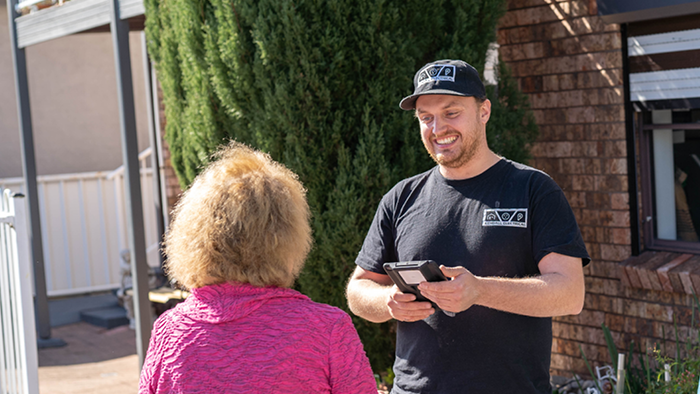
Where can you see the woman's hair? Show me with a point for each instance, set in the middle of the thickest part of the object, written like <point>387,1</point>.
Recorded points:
<point>244,219</point>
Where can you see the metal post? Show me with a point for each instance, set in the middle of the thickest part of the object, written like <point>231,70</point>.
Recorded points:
<point>132,181</point>
<point>159,143</point>
<point>154,137</point>
<point>41,306</point>
<point>630,131</point>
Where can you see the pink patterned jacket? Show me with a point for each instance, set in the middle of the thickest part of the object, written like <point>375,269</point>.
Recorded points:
<point>237,338</point>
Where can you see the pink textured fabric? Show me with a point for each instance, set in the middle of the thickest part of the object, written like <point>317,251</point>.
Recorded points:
<point>232,338</point>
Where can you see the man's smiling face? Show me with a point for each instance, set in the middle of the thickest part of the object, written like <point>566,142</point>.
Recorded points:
<point>453,128</point>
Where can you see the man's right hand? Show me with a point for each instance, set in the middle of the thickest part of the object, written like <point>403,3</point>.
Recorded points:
<point>374,297</point>
<point>404,307</point>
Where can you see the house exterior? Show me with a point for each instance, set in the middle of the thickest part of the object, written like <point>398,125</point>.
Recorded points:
<point>605,79</point>
<point>68,74</point>
<point>73,93</point>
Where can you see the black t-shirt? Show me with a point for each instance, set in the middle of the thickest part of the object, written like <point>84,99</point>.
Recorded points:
<point>499,223</point>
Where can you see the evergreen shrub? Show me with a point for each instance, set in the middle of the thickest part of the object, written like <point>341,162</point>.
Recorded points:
<point>317,84</point>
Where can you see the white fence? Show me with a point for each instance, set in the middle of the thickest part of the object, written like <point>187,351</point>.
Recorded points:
<point>83,227</point>
<point>18,364</point>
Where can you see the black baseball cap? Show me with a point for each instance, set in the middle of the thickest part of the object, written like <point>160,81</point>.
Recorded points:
<point>450,77</point>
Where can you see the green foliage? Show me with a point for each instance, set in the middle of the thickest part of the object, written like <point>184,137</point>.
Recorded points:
<point>685,370</point>
<point>511,128</point>
<point>316,84</point>
<point>684,376</point>
<point>637,376</point>
<point>648,377</point>
<point>590,370</point>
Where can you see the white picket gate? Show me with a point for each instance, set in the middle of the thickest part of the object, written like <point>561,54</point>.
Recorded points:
<point>83,227</point>
<point>19,361</point>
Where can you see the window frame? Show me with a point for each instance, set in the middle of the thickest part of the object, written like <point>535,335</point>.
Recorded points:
<point>651,242</point>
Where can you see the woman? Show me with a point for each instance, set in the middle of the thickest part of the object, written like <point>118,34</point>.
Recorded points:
<point>238,240</point>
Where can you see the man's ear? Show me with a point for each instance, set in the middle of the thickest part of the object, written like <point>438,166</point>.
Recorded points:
<point>485,111</point>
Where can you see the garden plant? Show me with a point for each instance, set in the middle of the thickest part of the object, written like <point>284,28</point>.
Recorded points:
<point>652,370</point>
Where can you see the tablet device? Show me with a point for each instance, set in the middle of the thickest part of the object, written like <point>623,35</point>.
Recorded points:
<point>408,275</point>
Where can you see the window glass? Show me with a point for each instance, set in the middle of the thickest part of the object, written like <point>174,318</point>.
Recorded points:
<point>676,173</point>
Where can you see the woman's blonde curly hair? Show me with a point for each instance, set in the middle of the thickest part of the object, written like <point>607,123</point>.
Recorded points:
<point>244,219</point>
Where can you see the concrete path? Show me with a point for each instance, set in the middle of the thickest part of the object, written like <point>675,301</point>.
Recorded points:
<point>95,361</point>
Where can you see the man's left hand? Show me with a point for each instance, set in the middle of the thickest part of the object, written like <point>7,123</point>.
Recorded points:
<point>455,295</point>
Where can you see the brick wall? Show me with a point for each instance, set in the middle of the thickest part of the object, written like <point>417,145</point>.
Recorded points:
<point>569,62</point>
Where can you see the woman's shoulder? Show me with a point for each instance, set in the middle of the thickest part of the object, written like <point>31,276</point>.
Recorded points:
<point>317,307</point>
<point>303,308</point>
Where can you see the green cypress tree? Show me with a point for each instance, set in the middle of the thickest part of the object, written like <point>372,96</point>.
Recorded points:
<point>512,126</point>
<point>316,84</point>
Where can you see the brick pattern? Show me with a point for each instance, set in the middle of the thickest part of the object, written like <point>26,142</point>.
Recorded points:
<point>662,271</point>
<point>569,63</point>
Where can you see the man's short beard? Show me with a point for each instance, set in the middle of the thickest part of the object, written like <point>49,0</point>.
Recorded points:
<point>465,155</point>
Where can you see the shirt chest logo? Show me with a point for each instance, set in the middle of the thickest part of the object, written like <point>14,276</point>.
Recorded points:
<point>505,217</point>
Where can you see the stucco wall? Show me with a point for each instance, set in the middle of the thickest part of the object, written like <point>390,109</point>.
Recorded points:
<point>72,88</point>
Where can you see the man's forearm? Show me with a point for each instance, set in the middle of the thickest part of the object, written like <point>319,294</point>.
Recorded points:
<point>559,290</point>
<point>543,296</point>
<point>368,300</point>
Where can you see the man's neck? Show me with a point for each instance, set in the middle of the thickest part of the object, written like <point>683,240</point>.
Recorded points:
<point>474,167</point>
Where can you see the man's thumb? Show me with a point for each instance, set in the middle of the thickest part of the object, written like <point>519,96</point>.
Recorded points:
<point>452,272</point>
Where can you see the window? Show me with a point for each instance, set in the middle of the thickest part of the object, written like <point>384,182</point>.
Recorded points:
<point>663,65</point>
<point>670,177</point>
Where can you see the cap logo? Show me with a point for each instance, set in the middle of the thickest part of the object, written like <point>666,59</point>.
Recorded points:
<point>437,72</point>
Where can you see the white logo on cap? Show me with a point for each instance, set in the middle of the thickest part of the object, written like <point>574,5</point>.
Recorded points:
<point>437,72</point>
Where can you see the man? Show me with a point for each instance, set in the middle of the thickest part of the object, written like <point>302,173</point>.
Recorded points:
<point>504,235</point>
